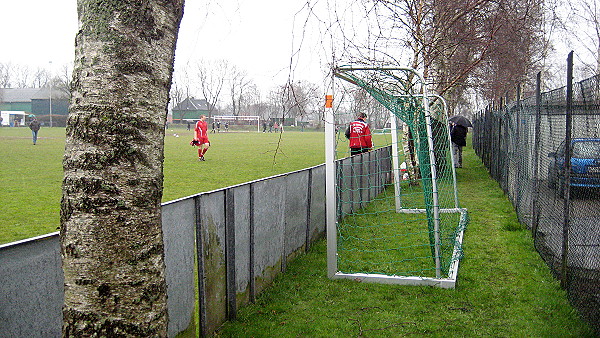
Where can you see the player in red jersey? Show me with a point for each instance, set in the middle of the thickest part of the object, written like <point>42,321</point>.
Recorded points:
<point>201,137</point>
<point>359,134</point>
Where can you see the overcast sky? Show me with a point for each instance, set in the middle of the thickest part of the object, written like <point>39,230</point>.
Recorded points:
<point>257,36</point>
<point>272,40</point>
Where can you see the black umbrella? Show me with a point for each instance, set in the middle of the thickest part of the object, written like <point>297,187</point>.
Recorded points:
<point>460,120</point>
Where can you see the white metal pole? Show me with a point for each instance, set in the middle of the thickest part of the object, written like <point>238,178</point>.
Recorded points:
<point>330,195</point>
<point>436,204</point>
<point>51,74</point>
<point>395,164</point>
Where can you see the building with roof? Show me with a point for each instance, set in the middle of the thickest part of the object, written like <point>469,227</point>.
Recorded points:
<point>190,109</point>
<point>36,101</point>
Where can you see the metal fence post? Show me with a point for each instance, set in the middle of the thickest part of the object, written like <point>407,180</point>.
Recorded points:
<point>251,250</point>
<point>230,253</point>
<point>536,159</point>
<point>203,329</point>
<point>567,172</point>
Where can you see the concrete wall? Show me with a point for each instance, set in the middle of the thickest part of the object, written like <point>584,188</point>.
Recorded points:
<point>242,237</point>
<point>31,288</point>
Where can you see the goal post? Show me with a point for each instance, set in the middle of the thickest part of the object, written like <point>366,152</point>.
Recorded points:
<point>378,228</point>
<point>238,118</point>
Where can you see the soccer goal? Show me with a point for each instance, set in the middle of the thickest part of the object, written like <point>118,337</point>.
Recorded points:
<point>239,118</point>
<point>393,214</point>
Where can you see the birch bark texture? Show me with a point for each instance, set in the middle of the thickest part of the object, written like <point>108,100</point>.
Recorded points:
<point>111,235</point>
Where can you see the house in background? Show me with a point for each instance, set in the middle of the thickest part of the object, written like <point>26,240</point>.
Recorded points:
<point>36,101</point>
<point>189,109</point>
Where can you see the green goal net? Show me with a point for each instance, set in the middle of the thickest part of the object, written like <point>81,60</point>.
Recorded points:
<point>393,211</point>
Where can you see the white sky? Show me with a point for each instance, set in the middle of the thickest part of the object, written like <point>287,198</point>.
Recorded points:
<point>261,37</point>
<point>256,36</point>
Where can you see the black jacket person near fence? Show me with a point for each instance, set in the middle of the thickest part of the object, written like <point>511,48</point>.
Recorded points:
<point>458,135</point>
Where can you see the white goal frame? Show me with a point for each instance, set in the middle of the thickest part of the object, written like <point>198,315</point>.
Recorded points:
<point>448,282</point>
<point>239,118</point>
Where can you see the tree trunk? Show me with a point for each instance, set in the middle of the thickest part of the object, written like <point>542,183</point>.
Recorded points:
<point>111,235</point>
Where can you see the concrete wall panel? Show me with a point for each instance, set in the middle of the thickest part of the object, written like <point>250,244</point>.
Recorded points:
<point>212,222</point>
<point>178,223</point>
<point>296,205</point>
<point>269,207</point>
<point>242,242</point>
<point>318,218</point>
<point>31,288</point>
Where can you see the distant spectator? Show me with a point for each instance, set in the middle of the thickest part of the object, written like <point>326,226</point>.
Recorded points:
<point>34,125</point>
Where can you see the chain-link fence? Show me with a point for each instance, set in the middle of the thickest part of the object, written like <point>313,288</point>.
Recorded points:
<point>524,145</point>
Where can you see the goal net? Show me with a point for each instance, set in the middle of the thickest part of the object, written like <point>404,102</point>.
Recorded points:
<point>393,212</point>
<point>241,119</point>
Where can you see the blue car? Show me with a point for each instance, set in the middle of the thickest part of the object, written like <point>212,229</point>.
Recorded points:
<point>585,165</point>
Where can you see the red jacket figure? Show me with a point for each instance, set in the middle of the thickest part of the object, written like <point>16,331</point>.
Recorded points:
<point>359,134</point>
<point>201,137</point>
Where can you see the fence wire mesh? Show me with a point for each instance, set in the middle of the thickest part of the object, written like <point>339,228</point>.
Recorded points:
<point>524,145</point>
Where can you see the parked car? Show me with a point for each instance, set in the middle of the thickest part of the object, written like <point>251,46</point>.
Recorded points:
<point>585,165</point>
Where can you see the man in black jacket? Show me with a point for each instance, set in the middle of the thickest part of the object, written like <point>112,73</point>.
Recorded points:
<point>458,135</point>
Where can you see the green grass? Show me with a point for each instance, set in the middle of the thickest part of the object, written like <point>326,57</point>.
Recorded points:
<point>504,288</point>
<point>31,176</point>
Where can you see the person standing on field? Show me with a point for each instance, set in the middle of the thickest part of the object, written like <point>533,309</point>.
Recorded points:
<point>359,134</point>
<point>201,137</point>
<point>34,125</point>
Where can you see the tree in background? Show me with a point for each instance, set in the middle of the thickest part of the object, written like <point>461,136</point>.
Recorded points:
<point>211,80</point>
<point>240,90</point>
<point>579,26</point>
<point>465,44</point>
<point>111,236</point>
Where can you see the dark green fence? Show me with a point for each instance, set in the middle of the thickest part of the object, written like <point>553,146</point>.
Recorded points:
<point>524,145</point>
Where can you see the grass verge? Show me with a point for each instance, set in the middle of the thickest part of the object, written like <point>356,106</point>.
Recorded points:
<point>504,288</point>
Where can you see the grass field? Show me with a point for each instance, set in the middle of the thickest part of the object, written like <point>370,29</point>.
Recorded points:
<point>31,176</point>
<point>504,288</point>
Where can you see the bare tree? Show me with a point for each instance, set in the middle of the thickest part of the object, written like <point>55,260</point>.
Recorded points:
<point>451,41</point>
<point>111,235</point>
<point>6,75</point>
<point>211,78</point>
<point>22,76</point>
<point>516,50</point>
<point>41,78</point>
<point>179,91</point>
<point>239,87</point>
<point>63,81</point>
<point>295,100</point>
<point>580,26</point>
